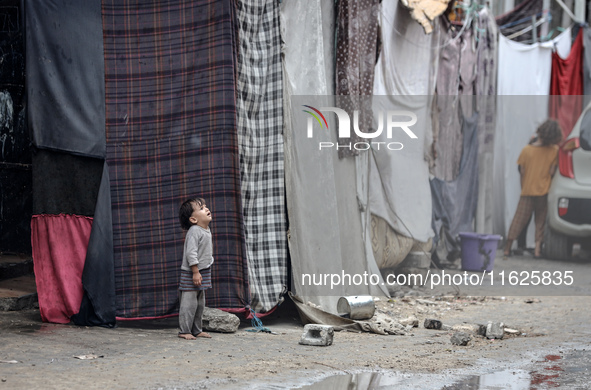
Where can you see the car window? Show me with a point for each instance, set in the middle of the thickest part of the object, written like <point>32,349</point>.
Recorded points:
<point>585,136</point>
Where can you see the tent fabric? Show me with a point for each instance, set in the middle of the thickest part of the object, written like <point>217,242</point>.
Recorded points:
<point>523,71</point>
<point>66,113</point>
<point>65,76</point>
<point>58,263</point>
<point>64,183</point>
<point>356,45</point>
<point>98,280</point>
<point>325,234</point>
<point>567,81</point>
<point>259,109</point>
<point>399,181</point>
<point>171,135</point>
<point>312,315</point>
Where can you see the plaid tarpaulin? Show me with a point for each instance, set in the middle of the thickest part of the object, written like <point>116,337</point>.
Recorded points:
<point>260,135</point>
<point>171,134</point>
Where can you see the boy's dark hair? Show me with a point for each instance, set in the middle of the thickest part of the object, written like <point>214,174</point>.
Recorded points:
<point>186,211</point>
<point>549,132</point>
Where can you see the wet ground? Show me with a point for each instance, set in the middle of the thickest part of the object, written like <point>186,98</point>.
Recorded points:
<point>551,349</point>
<point>565,370</point>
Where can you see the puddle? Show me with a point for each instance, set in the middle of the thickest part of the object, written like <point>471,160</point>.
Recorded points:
<point>572,370</point>
<point>35,328</point>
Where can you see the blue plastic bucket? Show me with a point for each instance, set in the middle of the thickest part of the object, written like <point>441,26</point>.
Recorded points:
<point>479,251</point>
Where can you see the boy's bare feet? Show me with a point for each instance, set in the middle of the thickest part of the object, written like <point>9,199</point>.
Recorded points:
<point>204,335</point>
<point>187,336</point>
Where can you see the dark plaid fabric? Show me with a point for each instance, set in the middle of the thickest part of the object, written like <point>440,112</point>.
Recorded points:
<point>171,134</point>
<point>260,135</point>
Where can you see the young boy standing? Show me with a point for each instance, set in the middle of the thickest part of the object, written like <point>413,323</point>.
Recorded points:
<point>194,217</point>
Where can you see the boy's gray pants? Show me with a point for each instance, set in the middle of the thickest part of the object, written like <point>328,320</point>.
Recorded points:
<point>191,311</point>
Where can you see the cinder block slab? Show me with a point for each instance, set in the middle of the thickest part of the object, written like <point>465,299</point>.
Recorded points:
<point>494,330</point>
<point>317,335</point>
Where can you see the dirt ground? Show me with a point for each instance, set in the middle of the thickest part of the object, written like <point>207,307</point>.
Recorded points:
<point>149,355</point>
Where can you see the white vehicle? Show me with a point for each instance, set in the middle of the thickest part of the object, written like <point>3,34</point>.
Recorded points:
<point>569,199</point>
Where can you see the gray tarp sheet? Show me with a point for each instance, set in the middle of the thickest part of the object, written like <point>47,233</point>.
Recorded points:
<point>65,76</point>
<point>325,233</point>
<point>399,182</point>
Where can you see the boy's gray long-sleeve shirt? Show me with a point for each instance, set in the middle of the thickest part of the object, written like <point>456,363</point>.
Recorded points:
<point>198,248</point>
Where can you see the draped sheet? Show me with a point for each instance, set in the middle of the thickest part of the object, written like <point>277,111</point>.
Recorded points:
<point>65,76</point>
<point>399,182</point>
<point>519,19</point>
<point>524,71</point>
<point>171,135</point>
<point>260,138</point>
<point>59,263</point>
<point>566,86</point>
<point>325,234</point>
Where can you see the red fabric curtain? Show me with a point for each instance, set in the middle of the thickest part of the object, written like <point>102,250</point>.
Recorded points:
<point>566,86</point>
<point>59,244</point>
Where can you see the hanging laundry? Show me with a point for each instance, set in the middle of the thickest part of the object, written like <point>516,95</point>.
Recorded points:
<point>456,76</point>
<point>356,43</point>
<point>425,11</point>
<point>518,21</point>
<point>566,86</point>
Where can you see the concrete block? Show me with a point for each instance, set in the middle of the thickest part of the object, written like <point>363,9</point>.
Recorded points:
<point>494,330</point>
<point>317,335</point>
<point>475,329</point>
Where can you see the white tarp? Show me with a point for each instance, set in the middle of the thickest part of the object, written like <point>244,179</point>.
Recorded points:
<point>523,87</point>
<point>325,235</point>
<point>399,188</point>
